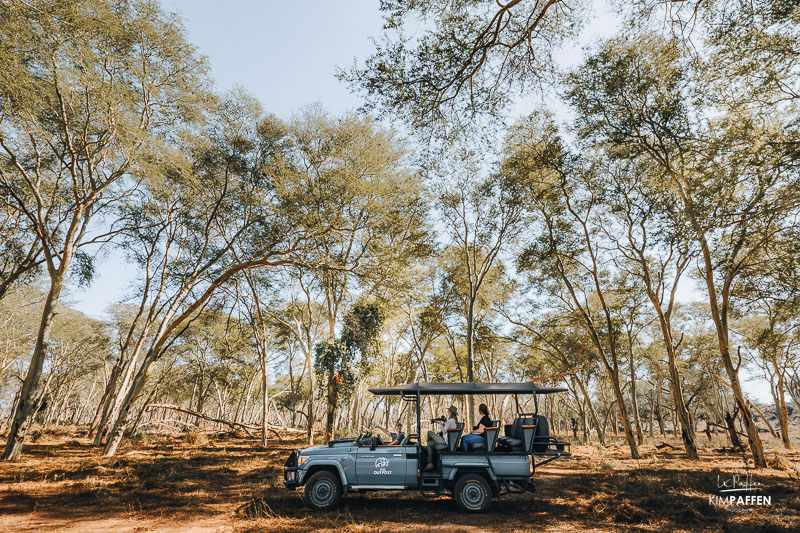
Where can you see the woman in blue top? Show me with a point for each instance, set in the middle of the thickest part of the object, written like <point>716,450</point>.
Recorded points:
<point>478,430</point>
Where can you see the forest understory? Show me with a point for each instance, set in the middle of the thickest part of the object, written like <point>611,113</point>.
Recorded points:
<point>227,482</point>
<point>601,199</point>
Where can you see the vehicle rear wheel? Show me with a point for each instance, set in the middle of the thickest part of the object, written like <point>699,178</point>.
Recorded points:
<point>472,493</point>
<point>323,490</point>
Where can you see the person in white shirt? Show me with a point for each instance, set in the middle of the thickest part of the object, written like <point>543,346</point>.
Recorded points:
<point>441,438</point>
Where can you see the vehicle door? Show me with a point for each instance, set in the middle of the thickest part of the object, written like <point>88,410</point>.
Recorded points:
<point>412,452</point>
<point>381,466</point>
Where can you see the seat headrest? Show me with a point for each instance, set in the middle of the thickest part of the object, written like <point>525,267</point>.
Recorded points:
<point>518,428</point>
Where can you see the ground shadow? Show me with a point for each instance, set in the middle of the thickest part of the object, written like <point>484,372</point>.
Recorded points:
<point>234,477</point>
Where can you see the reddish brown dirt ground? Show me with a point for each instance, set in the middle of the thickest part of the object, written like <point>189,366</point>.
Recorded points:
<point>230,484</point>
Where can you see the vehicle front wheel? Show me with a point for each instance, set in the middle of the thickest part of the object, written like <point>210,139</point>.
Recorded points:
<point>472,493</point>
<point>323,490</point>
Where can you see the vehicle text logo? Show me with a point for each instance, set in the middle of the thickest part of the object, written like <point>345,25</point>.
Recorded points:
<point>381,463</point>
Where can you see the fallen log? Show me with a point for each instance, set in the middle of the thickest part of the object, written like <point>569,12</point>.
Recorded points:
<point>726,428</point>
<point>171,424</point>
<point>248,428</point>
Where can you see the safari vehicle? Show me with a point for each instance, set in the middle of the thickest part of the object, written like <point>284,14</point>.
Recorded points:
<point>497,465</point>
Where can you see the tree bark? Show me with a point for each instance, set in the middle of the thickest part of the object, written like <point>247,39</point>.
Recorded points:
<point>783,413</point>
<point>264,400</point>
<point>719,315</point>
<point>612,368</point>
<point>102,406</point>
<point>331,394</point>
<point>111,414</point>
<point>470,355</point>
<point>634,403</point>
<point>650,413</point>
<point>600,434</point>
<point>32,390</point>
<point>732,433</point>
<point>310,415</point>
<point>664,322</point>
<point>682,412</point>
<point>660,414</point>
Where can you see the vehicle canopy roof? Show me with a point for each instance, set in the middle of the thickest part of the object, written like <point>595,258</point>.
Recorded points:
<point>466,388</point>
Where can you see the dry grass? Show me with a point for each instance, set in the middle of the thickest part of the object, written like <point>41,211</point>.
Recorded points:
<point>229,483</point>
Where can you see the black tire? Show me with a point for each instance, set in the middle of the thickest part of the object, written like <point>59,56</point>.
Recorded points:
<point>323,490</point>
<point>473,494</point>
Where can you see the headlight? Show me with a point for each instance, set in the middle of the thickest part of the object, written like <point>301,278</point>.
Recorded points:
<point>301,460</point>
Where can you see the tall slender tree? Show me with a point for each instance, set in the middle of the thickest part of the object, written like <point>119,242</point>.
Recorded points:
<point>565,257</point>
<point>90,92</point>
<point>481,220</point>
<point>731,174</point>
<point>231,221</point>
<point>650,234</point>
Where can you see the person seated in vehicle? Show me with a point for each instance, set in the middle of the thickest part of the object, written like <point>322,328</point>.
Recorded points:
<point>477,434</point>
<point>448,423</point>
<point>398,436</point>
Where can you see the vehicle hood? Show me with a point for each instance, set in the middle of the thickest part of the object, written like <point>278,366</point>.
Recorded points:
<point>324,449</point>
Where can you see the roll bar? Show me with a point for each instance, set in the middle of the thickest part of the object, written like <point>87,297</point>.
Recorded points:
<point>423,388</point>
<point>412,392</point>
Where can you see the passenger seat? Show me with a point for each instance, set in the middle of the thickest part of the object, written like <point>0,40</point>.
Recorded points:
<point>515,441</point>
<point>489,438</point>
<point>452,439</point>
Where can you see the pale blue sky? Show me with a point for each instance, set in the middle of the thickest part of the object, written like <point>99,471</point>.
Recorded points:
<point>285,54</point>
